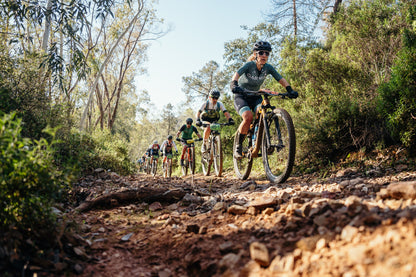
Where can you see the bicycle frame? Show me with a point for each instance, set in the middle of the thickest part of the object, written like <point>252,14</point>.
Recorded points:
<point>261,121</point>
<point>188,149</point>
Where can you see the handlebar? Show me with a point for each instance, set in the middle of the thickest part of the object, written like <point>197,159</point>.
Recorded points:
<point>267,92</point>
<point>186,140</point>
<point>222,124</point>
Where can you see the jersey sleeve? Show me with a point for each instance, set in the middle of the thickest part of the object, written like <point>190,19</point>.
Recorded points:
<point>174,145</point>
<point>243,69</point>
<point>182,128</point>
<point>195,129</point>
<point>163,146</point>
<point>203,107</point>
<point>274,73</point>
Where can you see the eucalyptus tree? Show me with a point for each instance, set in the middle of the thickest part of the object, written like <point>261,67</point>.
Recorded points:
<point>169,120</point>
<point>121,52</point>
<point>298,18</point>
<point>198,85</point>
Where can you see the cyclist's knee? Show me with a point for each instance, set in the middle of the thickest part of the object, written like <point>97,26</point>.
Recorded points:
<point>247,116</point>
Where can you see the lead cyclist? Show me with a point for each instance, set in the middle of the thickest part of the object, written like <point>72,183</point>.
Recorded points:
<point>250,77</point>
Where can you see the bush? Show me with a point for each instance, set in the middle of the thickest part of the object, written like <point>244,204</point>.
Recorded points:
<point>85,152</point>
<point>397,97</point>
<point>30,183</point>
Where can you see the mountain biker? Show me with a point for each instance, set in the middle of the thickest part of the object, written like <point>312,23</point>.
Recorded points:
<point>210,111</point>
<point>154,151</point>
<point>251,76</point>
<point>166,147</point>
<point>187,130</point>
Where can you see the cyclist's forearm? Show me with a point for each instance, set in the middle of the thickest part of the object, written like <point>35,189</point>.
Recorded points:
<point>283,82</point>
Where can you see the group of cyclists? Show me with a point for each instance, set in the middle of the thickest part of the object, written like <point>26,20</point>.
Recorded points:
<point>249,77</point>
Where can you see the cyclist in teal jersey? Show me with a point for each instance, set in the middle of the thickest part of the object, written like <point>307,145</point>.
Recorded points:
<point>187,130</point>
<point>250,77</point>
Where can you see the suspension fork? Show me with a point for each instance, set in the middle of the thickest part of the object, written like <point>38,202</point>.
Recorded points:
<point>266,128</point>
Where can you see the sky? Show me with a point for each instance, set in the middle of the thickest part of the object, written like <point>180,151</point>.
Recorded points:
<point>199,30</point>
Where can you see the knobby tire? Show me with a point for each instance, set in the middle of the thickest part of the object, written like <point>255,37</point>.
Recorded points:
<point>217,155</point>
<point>279,158</point>
<point>242,167</point>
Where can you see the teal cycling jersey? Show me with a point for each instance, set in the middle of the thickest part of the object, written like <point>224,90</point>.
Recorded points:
<point>252,79</point>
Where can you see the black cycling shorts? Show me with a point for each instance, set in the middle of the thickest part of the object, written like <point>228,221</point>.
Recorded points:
<point>246,103</point>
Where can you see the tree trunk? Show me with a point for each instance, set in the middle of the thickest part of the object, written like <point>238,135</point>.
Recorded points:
<point>102,68</point>
<point>47,31</point>
<point>132,196</point>
<point>295,20</point>
<point>336,6</point>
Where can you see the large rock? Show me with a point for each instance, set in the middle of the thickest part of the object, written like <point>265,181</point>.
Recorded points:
<point>400,190</point>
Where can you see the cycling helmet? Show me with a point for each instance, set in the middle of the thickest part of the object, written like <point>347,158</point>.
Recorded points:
<point>189,120</point>
<point>262,45</point>
<point>155,142</point>
<point>170,137</point>
<point>214,93</point>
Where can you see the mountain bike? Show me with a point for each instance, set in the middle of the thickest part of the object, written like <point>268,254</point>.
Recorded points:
<point>213,153</point>
<point>167,166</point>
<point>189,157</point>
<point>271,136</point>
<point>154,164</point>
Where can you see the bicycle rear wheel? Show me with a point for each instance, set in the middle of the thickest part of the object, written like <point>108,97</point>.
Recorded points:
<point>216,151</point>
<point>242,167</point>
<point>279,155</point>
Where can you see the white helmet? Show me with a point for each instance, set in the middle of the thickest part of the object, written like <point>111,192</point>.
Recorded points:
<point>155,142</point>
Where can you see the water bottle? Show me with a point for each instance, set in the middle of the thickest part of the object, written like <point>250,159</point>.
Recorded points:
<point>255,134</point>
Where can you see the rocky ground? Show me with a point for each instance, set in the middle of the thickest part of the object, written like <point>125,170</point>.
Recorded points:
<point>355,222</point>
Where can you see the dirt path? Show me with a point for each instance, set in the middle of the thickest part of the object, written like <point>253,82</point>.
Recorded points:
<point>350,224</point>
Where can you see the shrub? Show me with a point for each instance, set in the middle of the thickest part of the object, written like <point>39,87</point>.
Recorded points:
<point>29,181</point>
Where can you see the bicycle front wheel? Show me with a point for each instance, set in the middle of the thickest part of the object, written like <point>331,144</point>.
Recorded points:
<point>192,160</point>
<point>242,167</point>
<point>185,164</point>
<point>169,168</point>
<point>206,163</point>
<point>279,154</point>
<point>216,151</point>
<point>154,167</point>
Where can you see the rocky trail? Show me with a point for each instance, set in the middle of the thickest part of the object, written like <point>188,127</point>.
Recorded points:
<point>352,223</point>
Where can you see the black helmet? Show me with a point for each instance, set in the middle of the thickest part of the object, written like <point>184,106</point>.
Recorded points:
<point>170,137</point>
<point>189,120</point>
<point>214,93</point>
<point>262,45</point>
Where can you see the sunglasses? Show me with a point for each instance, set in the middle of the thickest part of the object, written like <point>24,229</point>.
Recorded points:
<point>261,53</point>
<point>214,98</point>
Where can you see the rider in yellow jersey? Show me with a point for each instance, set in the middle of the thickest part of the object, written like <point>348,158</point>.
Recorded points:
<point>210,111</point>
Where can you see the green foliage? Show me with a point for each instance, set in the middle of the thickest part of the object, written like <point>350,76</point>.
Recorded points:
<point>397,97</point>
<point>29,181</point>
<point>335,112</point>
<point>86,152</point>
